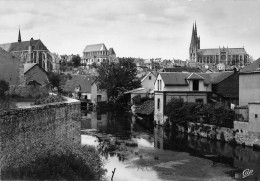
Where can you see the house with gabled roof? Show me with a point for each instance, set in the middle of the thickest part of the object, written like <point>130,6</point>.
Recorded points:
<point>188,86</point>
<point>79,86</point>
<point>97,53</point>
<point>97,95</point>
<point>35,75</point>
<point>146,89</point>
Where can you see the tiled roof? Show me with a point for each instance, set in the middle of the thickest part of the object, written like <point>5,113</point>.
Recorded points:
<point>217,77</point>
<point>216,51</point>
<point>255,66</point>
<point>182,69</point>
<point>138,90</point>
<point>24,45</point>
<point>194,76</point>
<point>28,66</point>
<point>95,48</point>
<point>174,78</point>
<point>179,78</point>
<point>79,80</point>
<point>144,77</point>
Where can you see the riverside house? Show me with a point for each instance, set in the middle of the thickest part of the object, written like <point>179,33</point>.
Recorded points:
<point>191,87</point>
<point>147,83</point>
<point>84,87</point>
<point>248,112</point>
<point>79,86</point>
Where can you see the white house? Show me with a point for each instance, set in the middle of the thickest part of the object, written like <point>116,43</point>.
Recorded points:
<point>190,87</point>
<point>147,83</point>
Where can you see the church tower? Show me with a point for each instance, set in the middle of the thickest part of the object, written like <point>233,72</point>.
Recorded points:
<point>19,36</point>
<point>194,44</point>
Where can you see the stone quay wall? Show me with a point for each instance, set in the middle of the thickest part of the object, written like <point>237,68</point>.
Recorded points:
<point>222,134</point>
<point>24,133</point>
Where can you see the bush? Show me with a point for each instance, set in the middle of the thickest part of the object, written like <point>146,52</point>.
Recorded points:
<point>64,163</point>
<point>48,99</point>
<point>216,114</point>
<point>4,87</point>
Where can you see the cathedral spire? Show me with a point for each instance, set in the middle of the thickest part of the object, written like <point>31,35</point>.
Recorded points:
<point>195,28</point>
<point>19,36</point>
<point>192,35</point>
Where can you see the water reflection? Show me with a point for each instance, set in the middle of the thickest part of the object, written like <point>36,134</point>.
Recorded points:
<point>111,128</point>
<point>239,157</point>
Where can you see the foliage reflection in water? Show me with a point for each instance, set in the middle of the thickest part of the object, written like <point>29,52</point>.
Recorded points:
<point>139,150</point>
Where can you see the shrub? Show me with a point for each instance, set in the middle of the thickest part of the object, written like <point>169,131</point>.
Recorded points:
<point>222,137</point>
<point>4,87</point>
<point>48,99</point>
<point>215,114</point>
<point>64,163</point>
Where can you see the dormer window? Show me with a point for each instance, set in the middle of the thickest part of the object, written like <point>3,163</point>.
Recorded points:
<point>195,86</point>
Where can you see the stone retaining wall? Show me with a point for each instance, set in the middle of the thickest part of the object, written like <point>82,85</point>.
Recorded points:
<point>222,134</point>
<point>25,132</point>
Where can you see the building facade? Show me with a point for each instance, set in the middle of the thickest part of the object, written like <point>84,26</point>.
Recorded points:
<point>249,83</point>
<point>32,51</point>
<point>229,57</point>
<point>97,53</point>
<point>191,87</point>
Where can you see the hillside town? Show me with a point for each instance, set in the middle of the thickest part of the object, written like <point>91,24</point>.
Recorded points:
<point>101,116</point>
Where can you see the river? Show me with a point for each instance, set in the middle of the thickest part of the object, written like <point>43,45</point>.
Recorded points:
<point>139,151</point>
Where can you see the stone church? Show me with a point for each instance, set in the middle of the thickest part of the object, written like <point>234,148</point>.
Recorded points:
<point>222,58</point>
<point>32,51</point>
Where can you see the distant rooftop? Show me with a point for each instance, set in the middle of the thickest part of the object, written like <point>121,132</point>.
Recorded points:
<point>24,45</point>
<point>216,51</point>
<point>255,66</point>
<point>95,47</point>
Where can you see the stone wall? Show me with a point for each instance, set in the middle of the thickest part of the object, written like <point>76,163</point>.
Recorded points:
<point>26,132</point>
<point>222,133</point>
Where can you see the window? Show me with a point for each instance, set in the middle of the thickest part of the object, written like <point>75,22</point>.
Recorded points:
<point>158,103</point>
<point>150,77</point>
<point>200,101</point>
<point>99,98</point>
<point>195,85</point>
<point>98,116</point>
<point>158,84</point>
<point>256,116</point>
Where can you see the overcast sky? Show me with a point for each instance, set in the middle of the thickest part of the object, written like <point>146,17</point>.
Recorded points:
<point>134,28</point>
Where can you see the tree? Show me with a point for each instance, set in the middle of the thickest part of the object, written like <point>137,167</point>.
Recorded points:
<point>55,80</point>
<point>4,86</point>
<point>76,60</point>
<point>63,65</point>
<point>117,78</point>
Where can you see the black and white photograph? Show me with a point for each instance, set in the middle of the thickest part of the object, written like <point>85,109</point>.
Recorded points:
<point>130,90</point>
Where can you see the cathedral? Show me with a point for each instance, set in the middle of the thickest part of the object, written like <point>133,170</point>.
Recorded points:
<point>227,57</point>
<point>32,51</point>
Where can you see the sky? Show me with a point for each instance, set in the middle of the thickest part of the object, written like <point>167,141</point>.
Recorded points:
<point>134,28</point>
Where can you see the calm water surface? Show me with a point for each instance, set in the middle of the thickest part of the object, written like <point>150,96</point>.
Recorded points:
<point>160,154</point>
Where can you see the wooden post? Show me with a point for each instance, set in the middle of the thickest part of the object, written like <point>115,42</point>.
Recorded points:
<point>113,174</point>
